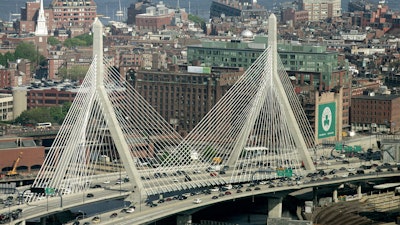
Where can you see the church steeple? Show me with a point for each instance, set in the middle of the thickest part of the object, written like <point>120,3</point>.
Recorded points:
<point>41,28</point>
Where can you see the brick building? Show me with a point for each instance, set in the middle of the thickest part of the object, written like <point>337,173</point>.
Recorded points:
<point>152,22</point>
<point>17,74</point>
<point>290,14</point>
<point>32,156</point>
<point>137,8</point>
<point>321,9</point>
<point>181,97</point>
<point>375,113</point>
<point>48,97</point>
<point>68,14</point>
<point>61,15</point>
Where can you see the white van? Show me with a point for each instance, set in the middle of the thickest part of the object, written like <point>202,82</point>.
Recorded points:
<point>197,201</point>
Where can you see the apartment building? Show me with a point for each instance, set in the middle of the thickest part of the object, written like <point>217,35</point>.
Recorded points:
<point>321,9</point>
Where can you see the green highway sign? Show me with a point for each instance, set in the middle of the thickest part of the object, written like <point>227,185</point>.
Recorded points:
<point>338,146</point>
<point>49,191</point>
<point>284,172</point>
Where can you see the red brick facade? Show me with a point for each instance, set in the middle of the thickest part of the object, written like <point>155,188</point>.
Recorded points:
<point>31,157</point>
<point>48,97</point>
<point>153,23</point>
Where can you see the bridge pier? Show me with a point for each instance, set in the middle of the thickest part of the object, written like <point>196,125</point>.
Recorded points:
<point>275,207</point>
<point>334,196</point>
<point>315,196</point>
<point>359,193</point>
<point>43,220</point>
<point>183,219</point>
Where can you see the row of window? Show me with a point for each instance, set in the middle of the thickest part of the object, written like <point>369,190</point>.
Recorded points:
<point>174,113</point>
<point>167,88</point>
<point>187,103</point>
<point>363,112</point>
<point>47,101</point>
<point>180,79</point>
<point>60,95</point>
<point>247,54</point>
<point>374,107</point>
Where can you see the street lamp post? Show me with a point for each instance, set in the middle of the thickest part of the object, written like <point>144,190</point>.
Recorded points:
<point>120,179</point>
<point>83,213</point>
<point>9,214</point>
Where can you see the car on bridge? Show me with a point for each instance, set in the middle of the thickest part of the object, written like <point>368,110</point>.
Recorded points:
<point>90,195</point>
<point>197,201</point>
<point>130,210</point>
<point>96,219</point>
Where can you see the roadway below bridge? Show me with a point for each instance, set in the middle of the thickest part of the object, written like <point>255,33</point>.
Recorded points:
<point>110,190</point>
<point>147,213</point>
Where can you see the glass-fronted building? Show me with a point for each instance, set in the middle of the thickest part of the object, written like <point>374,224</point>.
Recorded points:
<point>294,57</point>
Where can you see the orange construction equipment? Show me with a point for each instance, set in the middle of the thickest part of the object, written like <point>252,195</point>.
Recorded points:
<point>14,172</point>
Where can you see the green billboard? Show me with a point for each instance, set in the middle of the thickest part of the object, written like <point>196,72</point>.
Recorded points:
<point>327,120</point>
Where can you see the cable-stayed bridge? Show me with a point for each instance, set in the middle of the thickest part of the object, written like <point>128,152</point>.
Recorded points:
<point>258,127</point>
<point>257,131</point>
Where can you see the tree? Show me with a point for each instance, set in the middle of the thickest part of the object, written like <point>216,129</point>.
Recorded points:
<point>81,40</point>
<point>73,42</point>
<point>198,20</point>
<point>53,41</point>
<point>9,57</point>
<point>3,60</point>
<point>26,50</point>
<point>76,72</point>
<point>55,114</point>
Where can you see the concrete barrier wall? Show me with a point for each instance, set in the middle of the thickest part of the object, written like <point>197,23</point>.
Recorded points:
<point>287,221</point>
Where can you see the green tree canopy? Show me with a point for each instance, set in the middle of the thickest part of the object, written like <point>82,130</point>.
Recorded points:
<point>29,51</point>
<point>53,41</point>
<point>76,72</point>
<point>26,50</point>
<point>81,40</point>
<point>3,60</point>
<point>198,20</point>
<point>54,114</point>
<point>8,56</point>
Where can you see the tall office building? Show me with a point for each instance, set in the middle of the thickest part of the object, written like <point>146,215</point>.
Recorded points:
<point>321,9</point>
<point>77,15</point>
<point>248,9</point>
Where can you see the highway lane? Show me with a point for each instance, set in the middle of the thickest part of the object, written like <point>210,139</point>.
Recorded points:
<point>145,214</point>
<point>51,205</point>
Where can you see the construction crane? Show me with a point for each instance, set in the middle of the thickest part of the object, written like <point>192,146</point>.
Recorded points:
<point>14,172</point>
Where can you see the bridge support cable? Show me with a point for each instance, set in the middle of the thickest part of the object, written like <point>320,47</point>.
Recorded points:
<point>109,126</point>
<point>258,125</point>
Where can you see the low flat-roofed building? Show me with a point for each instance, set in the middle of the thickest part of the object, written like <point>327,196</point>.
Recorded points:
<point>375,113</point>
<point>6,107</point>
<point>31,156</point>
